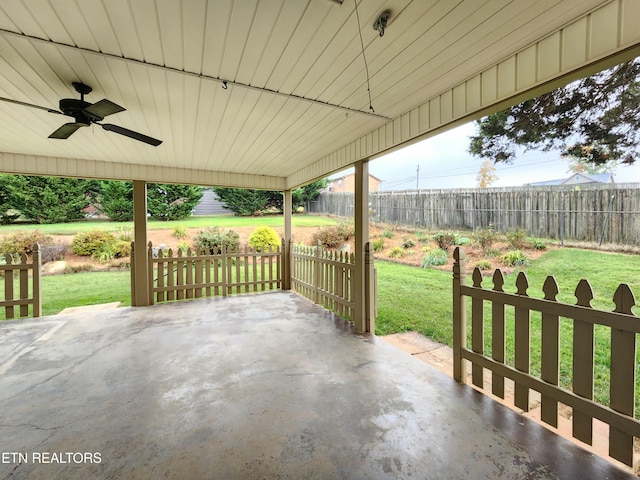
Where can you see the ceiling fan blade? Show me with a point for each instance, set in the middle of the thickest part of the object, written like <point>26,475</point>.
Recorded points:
<point>103,108</point>
<point>66,130</point>
<point>131,134</point>
<point>25,104</point>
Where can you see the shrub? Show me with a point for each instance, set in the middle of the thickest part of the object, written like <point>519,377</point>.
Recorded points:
<point>263,238</point>
<point>396,252</point>
<point>422,237</point>
<point>387,234</point>
<point>333,236</point>
<point>426,248</point>
<point>537,244</point>
<point>22,241</point>
<point>179,231</point>
<point>88,243</point>
<point>122,249</point>
<point>184,246</point>
<point>483,264</point>
<point>515,258</point>
<point>461,241</point>
<point>408,243</point>
<point>435,257</point>
<point>444,240</point>
<point>378,244</point>
<point>212,239</point>
<point>52,253</point>
<point>105,253</point>
<point>516,238</point>
<point>485,238</point>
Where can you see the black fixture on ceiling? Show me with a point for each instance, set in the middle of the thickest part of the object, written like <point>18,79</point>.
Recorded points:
<point>85,114</point>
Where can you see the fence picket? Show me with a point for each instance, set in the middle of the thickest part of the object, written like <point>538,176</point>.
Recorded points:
<point>161,276</point>
<point>198,266</point>
<point>477,329</point>
<point>189,279</point>
<point>550,367</point>
<point>8,288</point>
<point>522,343</point>
<point>170,277</point>
<point>583,356</point>
<point>24,285</point>
<point>623,378</point>
<point>179,274</point>
<point>498,335</point>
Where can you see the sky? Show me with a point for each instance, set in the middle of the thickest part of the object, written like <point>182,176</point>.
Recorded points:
<point>444,162</point>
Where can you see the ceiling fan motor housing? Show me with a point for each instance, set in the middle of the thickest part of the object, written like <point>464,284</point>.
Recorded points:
<point>75,108</point>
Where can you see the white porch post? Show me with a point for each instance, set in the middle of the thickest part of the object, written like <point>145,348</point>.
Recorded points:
<point>141,261</point>
<point>287,207</point>
<point>362,312</point>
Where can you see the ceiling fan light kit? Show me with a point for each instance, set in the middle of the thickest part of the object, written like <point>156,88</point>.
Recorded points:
<point>85,114</point>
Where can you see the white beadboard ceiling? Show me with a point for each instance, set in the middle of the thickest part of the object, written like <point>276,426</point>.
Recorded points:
<point>296,80</point>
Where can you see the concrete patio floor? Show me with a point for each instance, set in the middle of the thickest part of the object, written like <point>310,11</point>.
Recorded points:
<point>258,387</point>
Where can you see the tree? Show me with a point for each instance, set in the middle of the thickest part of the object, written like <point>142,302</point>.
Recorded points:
<point>116,200</point>
<point>487,174</point>
<point>51,199</point>
<point>6,199</point>
<point>594,120</point>
<point>172,202</point>
<point>245,202</point>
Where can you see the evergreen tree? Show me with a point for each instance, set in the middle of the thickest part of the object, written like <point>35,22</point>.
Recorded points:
<point>246,202</point>
<point>51,199</point>
<point>116,200</point>
<point>172,202</point>
<point>595,120</point>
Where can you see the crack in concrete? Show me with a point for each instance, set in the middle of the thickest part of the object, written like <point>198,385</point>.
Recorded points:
<point>13,471</point>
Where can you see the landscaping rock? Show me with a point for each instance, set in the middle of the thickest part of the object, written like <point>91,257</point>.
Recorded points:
<point>54,268</point>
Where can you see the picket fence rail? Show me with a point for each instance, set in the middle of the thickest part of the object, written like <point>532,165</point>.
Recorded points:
<point>623,326</point>
<point>16,294</point>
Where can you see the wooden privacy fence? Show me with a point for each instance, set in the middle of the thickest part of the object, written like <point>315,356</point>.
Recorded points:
<point>183,275</point>
<point>609,214</point>
<point>16,293</point>
<point>324,276</point>
<point>581,321</point>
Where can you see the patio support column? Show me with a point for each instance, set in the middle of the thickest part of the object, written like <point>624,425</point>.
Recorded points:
<point>287,207</point>
<point>363,320</point>
<point>141,259</point>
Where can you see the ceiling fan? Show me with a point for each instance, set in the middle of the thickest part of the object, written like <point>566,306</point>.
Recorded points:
<point>85,113</point>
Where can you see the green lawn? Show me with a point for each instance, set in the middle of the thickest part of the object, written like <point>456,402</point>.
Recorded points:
<point>227,221</point>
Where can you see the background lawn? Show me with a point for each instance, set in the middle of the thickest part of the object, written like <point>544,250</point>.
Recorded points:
<point>224,221</point>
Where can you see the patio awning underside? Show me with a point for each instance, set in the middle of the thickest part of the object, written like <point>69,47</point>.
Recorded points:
<point>256,386</point>
<point>296,104</point>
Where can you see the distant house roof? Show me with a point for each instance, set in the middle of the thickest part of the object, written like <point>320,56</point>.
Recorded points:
<point>576,178</point>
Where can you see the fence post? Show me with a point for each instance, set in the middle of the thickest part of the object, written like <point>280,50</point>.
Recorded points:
<point>459,315</point>
<point>370,290</point>
<point>37,281</point>
<point>285,254</point>
<point>132,272</point>
<point>150,271</point>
